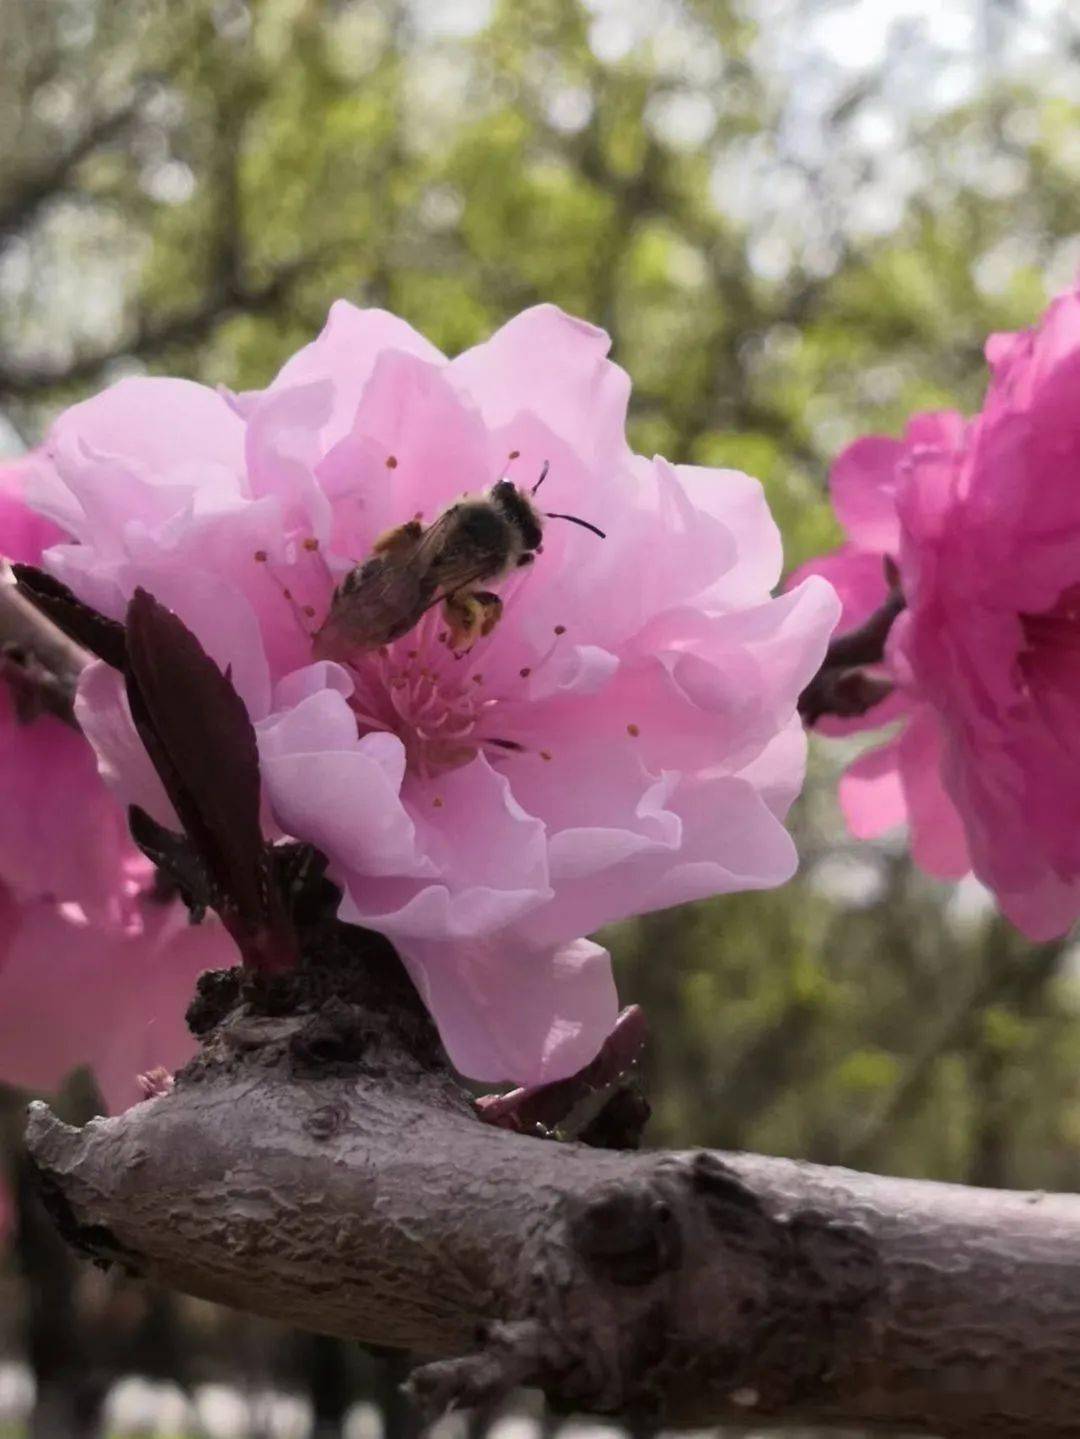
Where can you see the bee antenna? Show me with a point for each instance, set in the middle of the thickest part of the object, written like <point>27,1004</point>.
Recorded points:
<point>577,520</point>
<point>543,477</point>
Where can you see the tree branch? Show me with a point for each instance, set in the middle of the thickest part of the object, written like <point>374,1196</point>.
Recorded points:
<point>317,1163</point>
<point>36,658</point>
<point>22,200</point>
<point>841,686</point>
<point>153,336</point>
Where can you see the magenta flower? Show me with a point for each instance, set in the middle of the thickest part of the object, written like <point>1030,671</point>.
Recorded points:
<point>900,782</point>
<point>624,738</point>
<point>984,521</point>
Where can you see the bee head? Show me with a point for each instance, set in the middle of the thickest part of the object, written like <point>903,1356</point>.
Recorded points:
<point>518,509</point>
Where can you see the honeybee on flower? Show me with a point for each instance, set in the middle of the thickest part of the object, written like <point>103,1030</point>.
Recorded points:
<point>530,751</point>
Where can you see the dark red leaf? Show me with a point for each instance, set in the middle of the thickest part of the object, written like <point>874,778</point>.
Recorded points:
<point>202,743</point>
<point>177,860</point>
<point>549,1105</point>
<point>102,637</point>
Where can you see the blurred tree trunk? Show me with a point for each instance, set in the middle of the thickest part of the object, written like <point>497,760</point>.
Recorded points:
<point>325,1364</point>
<point>71,1374</point>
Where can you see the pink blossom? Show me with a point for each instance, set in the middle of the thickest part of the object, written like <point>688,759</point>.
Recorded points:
<point>62,834</point>
<point>74,992</point>
<point>899,782</point>
<point>984,522</point>
<point>23,532</point>
<point>91,971</point>
<point>625,738</point>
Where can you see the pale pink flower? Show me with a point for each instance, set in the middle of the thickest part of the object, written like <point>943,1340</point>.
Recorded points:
<point>984,522</point>
<point>646,682</point>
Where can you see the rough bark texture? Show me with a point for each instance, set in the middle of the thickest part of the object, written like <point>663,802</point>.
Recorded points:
<point>24,632</point>
<point>318,1164</point>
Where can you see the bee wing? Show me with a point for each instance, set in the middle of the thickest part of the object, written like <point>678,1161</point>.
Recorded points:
<point>455,575</point>
<point>387,595</point>
<point>383,599</point>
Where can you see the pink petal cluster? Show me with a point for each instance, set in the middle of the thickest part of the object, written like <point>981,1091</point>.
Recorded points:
<point>624,740</point>
<point>75,992</point>
<point>983,521</point>
<point>91,970</point>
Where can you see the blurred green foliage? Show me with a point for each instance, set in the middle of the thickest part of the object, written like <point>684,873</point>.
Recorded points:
<point>265,157</point>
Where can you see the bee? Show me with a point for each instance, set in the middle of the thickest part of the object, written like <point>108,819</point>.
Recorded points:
<point>473,543</point>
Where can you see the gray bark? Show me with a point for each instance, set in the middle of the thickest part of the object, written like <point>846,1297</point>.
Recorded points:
<point>321,1166</point>
<point>23,629</point>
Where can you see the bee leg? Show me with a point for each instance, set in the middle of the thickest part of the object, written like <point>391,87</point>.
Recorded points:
<point>400,540</point>
<point>462,621</point>
<point>490,607</point>
<point>470,615</point>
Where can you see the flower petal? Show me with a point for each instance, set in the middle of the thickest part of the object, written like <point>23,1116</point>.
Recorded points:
<point>336,791</point>
<point>872,792</point>
<point>166,438</point>
<point>62,835</point>
<point>345,354</point>
<point>553,366</point>
<point>23,533</point>
<point>938,843</point>
<point>739,503</point>
<point>857,576</point>
<point>507,1012</point>
<point>720,837</point>
<point>415,445</point>
<point>863,483</point>
<point>75,993</point>
<point>104,716</point>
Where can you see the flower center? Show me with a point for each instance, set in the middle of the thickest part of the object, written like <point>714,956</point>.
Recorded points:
<point>434,699</point>
<point>437,702</point>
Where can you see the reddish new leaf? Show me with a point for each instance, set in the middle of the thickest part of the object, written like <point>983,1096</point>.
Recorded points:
<point>552,1105</point>
<point>202,743</point>
<point>101,636</point>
